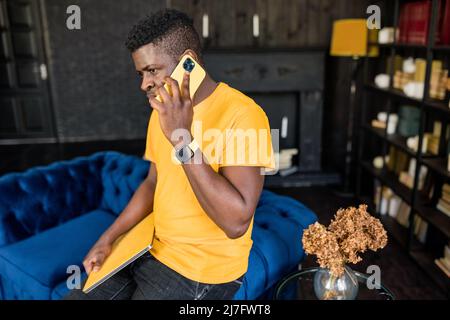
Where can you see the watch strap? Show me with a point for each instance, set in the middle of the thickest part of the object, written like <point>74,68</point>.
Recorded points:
<point>193,145</point>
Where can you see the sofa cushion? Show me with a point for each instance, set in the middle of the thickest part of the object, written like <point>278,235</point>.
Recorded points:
<point>33,267</point>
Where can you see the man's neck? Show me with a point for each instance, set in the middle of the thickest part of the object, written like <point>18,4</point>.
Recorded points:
<point>205,89</point>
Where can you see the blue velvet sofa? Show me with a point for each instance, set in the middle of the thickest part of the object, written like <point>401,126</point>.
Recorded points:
<point>50,217</point>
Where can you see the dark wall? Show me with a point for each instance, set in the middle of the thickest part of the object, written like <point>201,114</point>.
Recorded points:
<point>293,24</point>
<point>283,23</point>
<point>95,88</point>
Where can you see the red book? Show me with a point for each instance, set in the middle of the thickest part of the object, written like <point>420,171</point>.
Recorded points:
<point>445,24</point>
<point>437,36</point>
<point>412,22</point>
<point>423,22</point>
<point>403,23</point>
<point>418,21</point>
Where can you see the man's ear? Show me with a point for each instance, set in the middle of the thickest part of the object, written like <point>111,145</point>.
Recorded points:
<point>191,53</point>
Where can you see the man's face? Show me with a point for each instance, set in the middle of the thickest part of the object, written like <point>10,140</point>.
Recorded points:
<point>153,65</point>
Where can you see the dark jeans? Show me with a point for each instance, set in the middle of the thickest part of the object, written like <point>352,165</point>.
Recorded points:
<point>149,279</point>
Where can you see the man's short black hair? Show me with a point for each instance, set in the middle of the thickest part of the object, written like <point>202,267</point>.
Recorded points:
<point>170,28</point>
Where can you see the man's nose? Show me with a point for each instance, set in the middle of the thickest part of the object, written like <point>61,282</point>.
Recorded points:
<point>146,84</point>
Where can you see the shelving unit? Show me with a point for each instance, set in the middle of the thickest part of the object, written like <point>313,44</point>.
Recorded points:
<point>420,205</point>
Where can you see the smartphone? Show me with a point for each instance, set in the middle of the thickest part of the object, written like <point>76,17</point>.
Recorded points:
<point>197,74</point>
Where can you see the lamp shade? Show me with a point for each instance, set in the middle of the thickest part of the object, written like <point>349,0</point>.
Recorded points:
<point>349,38</point>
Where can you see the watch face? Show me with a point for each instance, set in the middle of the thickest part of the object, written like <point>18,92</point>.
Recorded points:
<point>184,154</point>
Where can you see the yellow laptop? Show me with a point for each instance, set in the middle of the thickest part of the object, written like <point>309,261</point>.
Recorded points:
<point>126,249</point>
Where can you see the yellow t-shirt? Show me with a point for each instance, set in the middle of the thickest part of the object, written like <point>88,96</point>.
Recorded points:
<point>186,239</point>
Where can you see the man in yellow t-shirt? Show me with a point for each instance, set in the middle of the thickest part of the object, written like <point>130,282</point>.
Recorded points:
<point>203,198</point>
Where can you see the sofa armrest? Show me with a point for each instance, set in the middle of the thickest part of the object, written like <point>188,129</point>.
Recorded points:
<point>44,197</point>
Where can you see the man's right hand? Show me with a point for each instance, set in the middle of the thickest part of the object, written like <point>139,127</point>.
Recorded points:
<point>97,256</point>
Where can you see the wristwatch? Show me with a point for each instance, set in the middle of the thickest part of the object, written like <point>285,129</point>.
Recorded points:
<point>186,152</point>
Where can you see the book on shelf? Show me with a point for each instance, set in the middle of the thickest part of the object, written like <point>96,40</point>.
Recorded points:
<point>445,201</point>
<point>378,124</point>
<point>403,213</point>
<point>446,192</point>
<point>414,21</point>
<point>394,205</point>
<point>443,208</point>
<point>398,160</point>
<point>444,262</point>
<point>443,204</point>
<point>448,162</point>
<point>433,138</point>
<point>420,228</point>
<point>383,198</point>
<point>428,185</point>
<point>380,195</point>
<point>421,65</point>
<point>283,160</point>
<point>446,188</point>
<point>406,179</point>
<point>409,121</point>
<point>441,264</point>
<point>438,80</point>
<point>443,29</point>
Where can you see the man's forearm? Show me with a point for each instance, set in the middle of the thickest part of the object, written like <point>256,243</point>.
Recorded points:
<point>219,198</point>
<point>140,205</point>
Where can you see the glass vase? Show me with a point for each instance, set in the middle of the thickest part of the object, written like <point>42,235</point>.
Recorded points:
<point>330,287</point>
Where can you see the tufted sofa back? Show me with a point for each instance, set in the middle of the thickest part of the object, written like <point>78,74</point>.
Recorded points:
<point>44,197</point>
<point>121,176</point>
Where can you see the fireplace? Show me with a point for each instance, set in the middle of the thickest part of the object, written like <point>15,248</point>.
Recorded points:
<point>288,85</point>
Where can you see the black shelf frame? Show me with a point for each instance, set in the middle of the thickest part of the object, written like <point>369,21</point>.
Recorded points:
<point>419,204</point>
<point>395,140</point>
<point>442,48</point>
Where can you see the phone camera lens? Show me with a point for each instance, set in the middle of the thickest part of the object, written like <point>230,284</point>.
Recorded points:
<point>188,65</point>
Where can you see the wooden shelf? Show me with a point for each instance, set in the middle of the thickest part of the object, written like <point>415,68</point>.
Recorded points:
<point>426,262</point>
<point>441,48</point>
<point>438,105</point>
<point>434,217</point>
<point>395,229</point>
<point>390,180</point>
<point>439,165</point>
<point>394,93</point>
<point>411,46</point>
<point>400,45</point>
<point>395,140</point>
